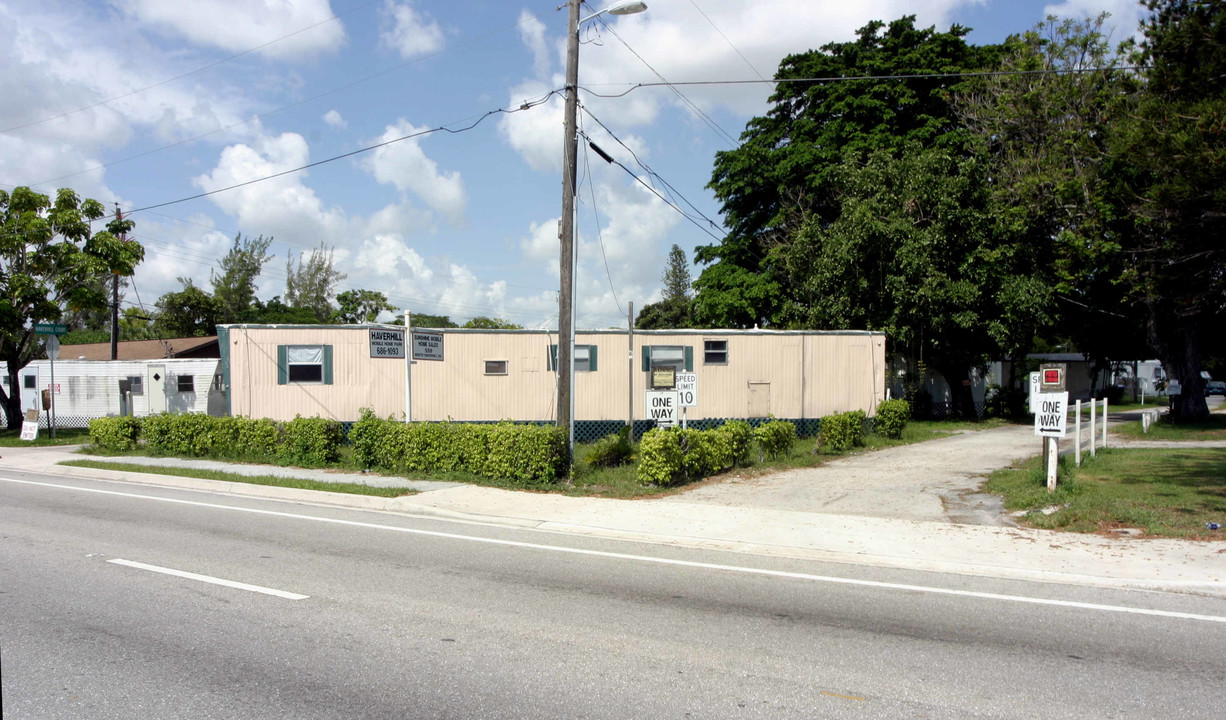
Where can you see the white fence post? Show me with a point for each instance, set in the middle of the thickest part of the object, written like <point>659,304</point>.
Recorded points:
<point>1093,427</point>
<point>1104,423</point>
<point>1077,435</point>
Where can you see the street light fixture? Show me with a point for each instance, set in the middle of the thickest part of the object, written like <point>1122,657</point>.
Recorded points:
<point>570,146</point>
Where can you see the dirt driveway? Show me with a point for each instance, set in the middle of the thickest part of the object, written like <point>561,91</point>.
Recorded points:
<point>935,480</point>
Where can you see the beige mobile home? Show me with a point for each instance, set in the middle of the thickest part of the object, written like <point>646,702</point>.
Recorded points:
<point>280,371</point>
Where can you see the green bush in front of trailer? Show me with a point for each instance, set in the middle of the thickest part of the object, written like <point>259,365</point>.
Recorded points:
<point>892,416</point>
<point>115,434</point>
<point>313,441</point>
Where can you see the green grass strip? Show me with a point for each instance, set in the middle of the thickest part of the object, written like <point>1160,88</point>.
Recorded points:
<point>1164,492</point>
<point>271,480</point>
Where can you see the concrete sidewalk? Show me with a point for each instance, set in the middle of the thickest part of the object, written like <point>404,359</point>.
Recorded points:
<point>994,551</point>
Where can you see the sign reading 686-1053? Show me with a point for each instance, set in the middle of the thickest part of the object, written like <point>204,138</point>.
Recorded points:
<point>386,343</point>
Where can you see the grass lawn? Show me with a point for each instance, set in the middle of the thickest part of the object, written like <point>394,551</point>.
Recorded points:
<point>339,487</point>
<point>1213,429</point>
<point>63,436</point>
<point>1164,492</point>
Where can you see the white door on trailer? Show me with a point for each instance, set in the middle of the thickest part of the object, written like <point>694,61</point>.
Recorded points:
<point>155,389</point>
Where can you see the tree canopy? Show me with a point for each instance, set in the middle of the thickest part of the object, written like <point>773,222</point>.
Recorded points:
<point>234,286</point>
<point>50,260</point>
<point>673,310</point>
<point>783,173</point>
<point>311,284</point>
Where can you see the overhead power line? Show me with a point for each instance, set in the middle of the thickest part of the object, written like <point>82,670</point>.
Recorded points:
<point>342,156</point>
<point>857,78</point>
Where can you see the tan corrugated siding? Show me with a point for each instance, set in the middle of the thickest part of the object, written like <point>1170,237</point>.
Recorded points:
<point>809,375</point>
<point>358,380</point>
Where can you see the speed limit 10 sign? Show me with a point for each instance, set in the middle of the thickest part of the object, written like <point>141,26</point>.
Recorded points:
<point>687,389</point>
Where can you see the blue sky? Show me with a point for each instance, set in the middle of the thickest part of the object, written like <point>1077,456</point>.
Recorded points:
<point>145,102</point>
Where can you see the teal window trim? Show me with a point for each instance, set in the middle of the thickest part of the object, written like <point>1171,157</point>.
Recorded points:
<point>326,369</point>
<point>552,360</point>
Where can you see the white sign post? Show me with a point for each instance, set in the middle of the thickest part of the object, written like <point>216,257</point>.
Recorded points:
<point>662,407</point>
<point>687,394</point>
<point>1051,423</point>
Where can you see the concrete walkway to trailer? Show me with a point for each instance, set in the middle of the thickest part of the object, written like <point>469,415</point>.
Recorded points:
<point>913,507</point>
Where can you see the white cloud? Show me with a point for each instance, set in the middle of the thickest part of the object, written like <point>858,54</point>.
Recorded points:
<point>1125,14</point>
<point>283,207</point>
<point>405,165</point>
<point>284,28</point>
<point>409,32</point>
<point>332,118</point>
<point>532,33</point>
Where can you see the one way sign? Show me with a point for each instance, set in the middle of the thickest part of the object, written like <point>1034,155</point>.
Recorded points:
<point>662,407</point>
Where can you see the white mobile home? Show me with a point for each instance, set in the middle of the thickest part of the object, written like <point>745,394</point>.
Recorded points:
<point>280,371</point>
<point>85,389</point>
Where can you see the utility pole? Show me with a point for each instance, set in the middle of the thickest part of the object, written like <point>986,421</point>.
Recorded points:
<point>566,230</point>
<point>115,297</point>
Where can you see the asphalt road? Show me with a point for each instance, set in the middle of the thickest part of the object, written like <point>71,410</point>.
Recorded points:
<point>386,616</point>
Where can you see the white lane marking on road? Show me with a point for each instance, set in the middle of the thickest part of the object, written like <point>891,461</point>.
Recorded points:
<point>209,579</point>
<point>659,561</point>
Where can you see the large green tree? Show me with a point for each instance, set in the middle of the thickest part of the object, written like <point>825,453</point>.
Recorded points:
<point>782,176</point>
<point>673,309</point>
<point>1044,121</point>
<point>914,253</point>
<point>190,312</point>
<point>1173,142</point>
<point>361,306</point>
<point>49,258</point>
<point>311,284</point>
<point>234,286</point>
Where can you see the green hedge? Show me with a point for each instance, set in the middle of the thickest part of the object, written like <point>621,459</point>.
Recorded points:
<point>669,456</point>
<point>116,434</point>
<point>506,451</point>
<point>310,441</point>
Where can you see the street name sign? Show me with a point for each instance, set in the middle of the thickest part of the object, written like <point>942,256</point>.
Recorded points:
<point>50,329</point>
<point>662,407</point>
<point>1051,420</point>
<point>386,343</point>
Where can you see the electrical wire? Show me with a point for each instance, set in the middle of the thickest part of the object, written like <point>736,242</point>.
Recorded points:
<point>655,192</point>
<point>858,78</point>
<point>725,37</point>
<point>275,111</point>
<point>650,171</point>
<point>664,82</point>
<point>599,235</point>
<point>342,156</point>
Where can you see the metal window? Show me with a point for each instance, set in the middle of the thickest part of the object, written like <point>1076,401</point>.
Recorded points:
<point>495,367</point>
<point>31,382</point>
<point>186,383</point>
<point>305,363</point>
<point>714,352</point>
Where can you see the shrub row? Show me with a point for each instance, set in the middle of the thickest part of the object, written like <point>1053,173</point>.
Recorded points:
<point>301,441</point>
<point>672,455</point>
<point>504,451</point>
